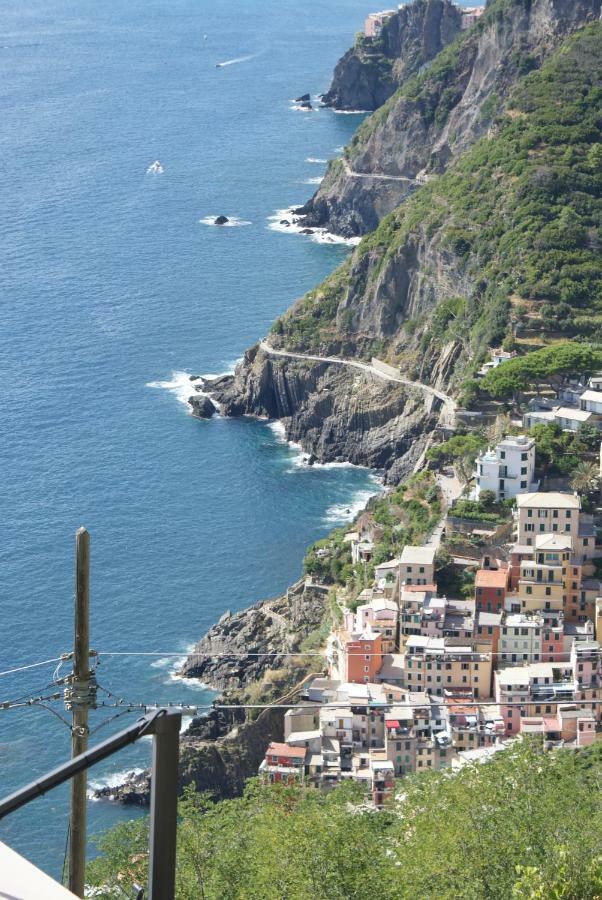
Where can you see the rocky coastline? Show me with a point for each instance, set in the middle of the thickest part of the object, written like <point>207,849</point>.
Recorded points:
<point>383,301</point>
<point>246,649</point>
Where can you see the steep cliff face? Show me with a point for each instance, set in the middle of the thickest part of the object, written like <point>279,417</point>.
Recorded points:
<point>511,225</point>
<point>221,750</point>
<point>225,657</point>
<point>432,118</point>
<point>335,413</point>
<point>367,75</point>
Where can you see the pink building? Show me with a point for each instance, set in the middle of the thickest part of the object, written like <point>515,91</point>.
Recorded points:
<point>374,22</point>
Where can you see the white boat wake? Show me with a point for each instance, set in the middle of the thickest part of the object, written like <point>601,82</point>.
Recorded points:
<point>233,62</point>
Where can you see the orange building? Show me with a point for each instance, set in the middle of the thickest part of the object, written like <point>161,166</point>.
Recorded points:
<point>364,657</point>
<point>490,590</point>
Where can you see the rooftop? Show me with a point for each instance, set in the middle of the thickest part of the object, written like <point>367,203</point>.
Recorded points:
<point>550,500</point>
<point>423,556</point>
<point>491,578</point>
<point>553,542</point>
<point>593,396</point>
<point>489,618</point>
<point>276,749</point>
<point>577,415</point>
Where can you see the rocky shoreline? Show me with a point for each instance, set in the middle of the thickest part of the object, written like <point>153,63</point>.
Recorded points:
<point>219,751</point>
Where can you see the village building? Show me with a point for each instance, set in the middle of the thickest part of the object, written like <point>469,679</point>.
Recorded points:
<point>490,589</point>
<point>508,469</point>
<point>417,565</point>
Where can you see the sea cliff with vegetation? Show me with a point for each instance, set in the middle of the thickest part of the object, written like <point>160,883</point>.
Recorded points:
<point>493,239</point>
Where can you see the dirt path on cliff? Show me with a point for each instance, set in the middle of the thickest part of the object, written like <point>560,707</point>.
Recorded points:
<point>448,411</point>
<point>353,174</point>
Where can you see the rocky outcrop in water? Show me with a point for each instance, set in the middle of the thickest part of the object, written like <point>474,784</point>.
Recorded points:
<point>218,752</point>
<point>242,646</point>
<point>336,414</point>
<point>367,75</point>
<point>202,406</point>
<point>434,118</point>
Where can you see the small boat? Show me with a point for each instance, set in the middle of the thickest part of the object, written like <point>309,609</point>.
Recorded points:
<point>155,168</point>
<point>218,65</point>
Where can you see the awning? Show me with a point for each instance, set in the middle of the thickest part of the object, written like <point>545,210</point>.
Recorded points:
<point>391,723</point>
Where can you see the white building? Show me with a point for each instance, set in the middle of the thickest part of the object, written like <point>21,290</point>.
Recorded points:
<point>572,419</point>
<point>508,469</point>
<point>520,640</point>
<point>591,401</point>
<point>417,565</point>
<point>497,357</point>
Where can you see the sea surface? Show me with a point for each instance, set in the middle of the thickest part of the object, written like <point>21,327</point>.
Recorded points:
<point>113,290</point>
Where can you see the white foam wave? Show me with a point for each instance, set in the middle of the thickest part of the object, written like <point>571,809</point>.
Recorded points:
<point>277,222</point>
<point>315,159</point>
<point>339,150</point>
<point>111,781</point>
<point>233,222</point>
<point>307,109</point>
<point>279,432</point>
<point>317,180</point>
<point>346,512</point>
<point>234,62</point>
<point>181,386</point>
<point>351,112</point>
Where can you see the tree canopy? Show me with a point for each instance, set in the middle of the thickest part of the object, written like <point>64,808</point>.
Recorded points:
<point>527,824</point>
<point>539,367</point>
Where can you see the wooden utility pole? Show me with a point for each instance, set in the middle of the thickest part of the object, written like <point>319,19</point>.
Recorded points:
<point>80,702</point>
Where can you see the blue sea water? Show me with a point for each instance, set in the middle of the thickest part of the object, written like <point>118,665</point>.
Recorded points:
<point>110,283</point>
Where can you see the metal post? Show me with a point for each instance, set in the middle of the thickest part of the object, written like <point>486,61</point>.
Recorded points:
<point>80,700</point>
<point>164,806</point>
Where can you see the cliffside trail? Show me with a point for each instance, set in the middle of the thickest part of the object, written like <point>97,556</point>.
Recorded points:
<point>448,411</point>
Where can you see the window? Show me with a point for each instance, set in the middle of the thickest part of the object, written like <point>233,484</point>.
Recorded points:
<point>555,514</point>
<point>529,513</point>
<point>523,484</point>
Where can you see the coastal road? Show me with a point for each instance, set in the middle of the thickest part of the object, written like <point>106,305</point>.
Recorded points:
<point>353,174</point>
<point>448,411</point>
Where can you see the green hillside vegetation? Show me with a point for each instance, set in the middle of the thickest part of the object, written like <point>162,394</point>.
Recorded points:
<point>541,367</point>
<point>520,212</point>
<point>405,515</point>
<point>525,825</point>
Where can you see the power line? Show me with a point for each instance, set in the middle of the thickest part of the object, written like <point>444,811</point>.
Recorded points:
<point>44,662</point>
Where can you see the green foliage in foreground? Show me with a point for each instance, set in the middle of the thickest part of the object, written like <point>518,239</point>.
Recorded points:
<point>525,825</point>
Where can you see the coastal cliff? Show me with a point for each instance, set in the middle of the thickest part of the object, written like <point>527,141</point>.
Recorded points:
<point>335,413</point>
<point>433,117</point>
<point>509,232</point>
<point>245,657</point>
<point>367,75</point>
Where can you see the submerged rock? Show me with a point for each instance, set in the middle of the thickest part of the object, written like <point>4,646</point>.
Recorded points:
<point>304,98</point>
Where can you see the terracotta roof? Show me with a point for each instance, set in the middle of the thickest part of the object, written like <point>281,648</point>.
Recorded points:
<point>494,578</point>
<point>420,588</point>
<point>276,749</point>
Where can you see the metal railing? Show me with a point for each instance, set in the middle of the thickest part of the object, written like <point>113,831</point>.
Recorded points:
<point>164,725</point>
